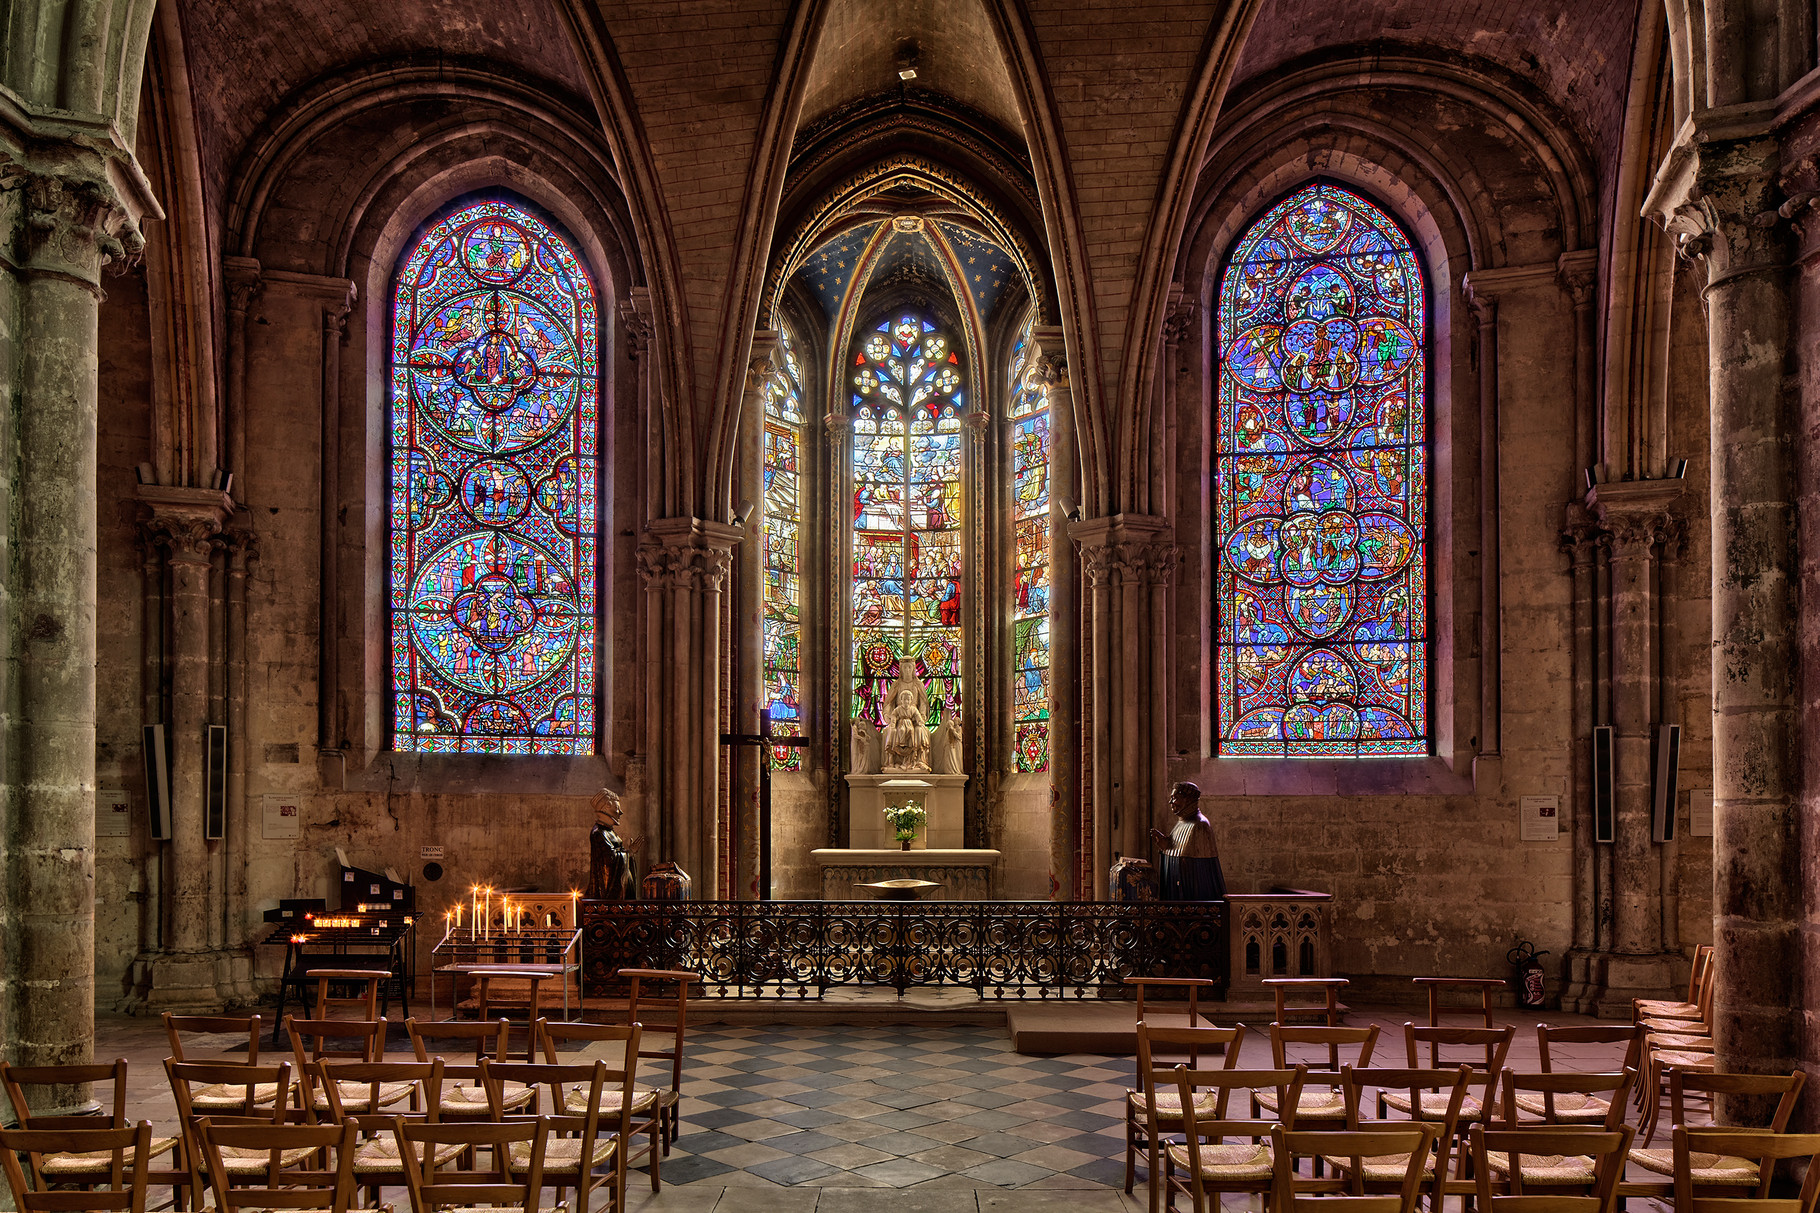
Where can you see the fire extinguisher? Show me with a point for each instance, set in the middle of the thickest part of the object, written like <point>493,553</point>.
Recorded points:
<point>1526,973</point>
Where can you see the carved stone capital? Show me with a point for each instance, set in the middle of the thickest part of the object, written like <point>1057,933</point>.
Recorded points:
<point>245,280</point>
<point>1578,273</point>
<point>1126,549</point>
<point>1581,535</point>
<point>1635,514</point>
<point>1722,200</point>
<point>1179,318</point>
<point>183,521</point>
<point>687,553</point>
<point>636,323</point>
<point>64,222</point>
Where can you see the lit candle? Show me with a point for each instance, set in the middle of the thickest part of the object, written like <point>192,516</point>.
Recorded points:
<point>487,931</point>
<point>476,924</point>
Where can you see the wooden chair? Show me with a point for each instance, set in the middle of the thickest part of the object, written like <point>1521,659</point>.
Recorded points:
<point>1715,1172</point>
<point>1141,1128</point>
<point>1495,1044</point>
<point>1548,1039</point>
<point>188,1077</point>
<point>82,1167</point>
<point>1361,1149</point>
<point>180,1028</point>
<point>646,1111</point>
<point>1691,1007</point>
<point>365,1004</point>
<point>577,1148</point>
<point>463,1095</point>
<point>1323,1104</point>
<point>1596,1100</point>
<point>1211,1165</point>
<point>1327,989</point>
<point>294,1166</point>
<point>1578,1166</point>
<point>1762,1150</point>
<point>1482,985</point>
<point>670,1099</point>
<point>376,1161</point>
<point>124,1155</point>
<point>1440,1094</point>
<point>1150,988</point>
<point>433,1187</point>
<point>310,1043</point>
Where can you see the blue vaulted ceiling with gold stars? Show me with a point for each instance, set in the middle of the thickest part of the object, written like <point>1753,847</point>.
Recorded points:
<point>938,250</point>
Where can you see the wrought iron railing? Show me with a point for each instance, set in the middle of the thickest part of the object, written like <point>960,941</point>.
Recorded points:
<point>803,949</point>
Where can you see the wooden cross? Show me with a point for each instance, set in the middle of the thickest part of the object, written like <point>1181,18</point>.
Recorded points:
<point>766,741</point>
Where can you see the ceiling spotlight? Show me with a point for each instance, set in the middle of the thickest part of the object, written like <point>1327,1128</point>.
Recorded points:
<point>906,60</point>
<point>906,73</point>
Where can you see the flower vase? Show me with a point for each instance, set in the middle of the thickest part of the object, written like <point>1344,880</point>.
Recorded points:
<point>904,842</point>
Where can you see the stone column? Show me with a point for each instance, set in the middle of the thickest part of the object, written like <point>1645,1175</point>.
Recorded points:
<point>684,561</point>
<point>748,689</point>
<point>61,221</point>
<point>1719,197</point>
<point>1485,307</point>
<point>1581,538</point>
<point>185,522</point>
<point>1049,354</point>
<point>1128,561</point>
<point>1635,515</point>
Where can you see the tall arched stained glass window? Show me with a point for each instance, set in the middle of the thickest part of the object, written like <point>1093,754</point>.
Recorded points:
<point>494,471</point>
<point>782,603</point>
<point>1322,496</point>
<point>1029,413</point>
<point>908,396</point>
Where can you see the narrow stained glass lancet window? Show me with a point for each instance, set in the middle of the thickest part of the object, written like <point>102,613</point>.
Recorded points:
<point>1322,497</point>
<point>907,402</point>
<point>494,464</point>
<point>1029,413</point>
<point>782,606</point>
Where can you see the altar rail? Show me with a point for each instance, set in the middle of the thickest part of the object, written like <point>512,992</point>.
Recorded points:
<point>805,948</point>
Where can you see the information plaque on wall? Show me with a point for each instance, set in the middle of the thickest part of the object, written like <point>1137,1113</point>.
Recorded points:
<point>1700,813</point>
<point>283,815</point>
<point>1540,818</point>
<point>113,814</point>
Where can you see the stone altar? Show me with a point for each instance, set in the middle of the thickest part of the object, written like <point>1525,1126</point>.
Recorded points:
<point>964,875</point>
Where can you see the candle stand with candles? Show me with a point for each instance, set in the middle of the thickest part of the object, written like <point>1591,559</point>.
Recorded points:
<point>518,941</point>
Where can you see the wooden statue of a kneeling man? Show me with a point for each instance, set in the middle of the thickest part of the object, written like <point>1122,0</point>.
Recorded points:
<point>612,863</point>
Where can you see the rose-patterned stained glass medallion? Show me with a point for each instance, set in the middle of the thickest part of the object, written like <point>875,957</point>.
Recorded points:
<point>782,605</point>
<point>494,469</point>
<point>907,399</point>
<point>1029,416</point>
<point>1321,474</point>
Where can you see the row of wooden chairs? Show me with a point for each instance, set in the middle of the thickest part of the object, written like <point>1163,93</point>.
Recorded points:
<point>293,1166</point>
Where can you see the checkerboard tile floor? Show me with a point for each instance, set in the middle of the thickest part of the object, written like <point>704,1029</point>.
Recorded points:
<point>846,1107</point>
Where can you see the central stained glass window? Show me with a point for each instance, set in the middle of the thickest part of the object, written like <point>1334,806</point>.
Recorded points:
<point>908,396</point>
<point>494,469</point>
<point>1321,471</point>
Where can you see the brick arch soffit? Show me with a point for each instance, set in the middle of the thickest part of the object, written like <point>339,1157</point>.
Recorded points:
<point>1254,135</point>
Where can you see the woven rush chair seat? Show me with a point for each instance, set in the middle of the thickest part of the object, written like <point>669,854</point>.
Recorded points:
<point>1545,1168</point>
<point>1241,1160</point>
<point>1715,1169</point>
<point>1169,1103</point>
<point>1684,1061</point>
<point>1666,1009</point>
<point>462,1099</point>
<point>225,1097</point>
<point>1318,1105</point>
<point>1435,1104</point>
<point>575,1103</point>
<point>98,1162</point>
<point>1570,1109</point>
<point>563,1154</point>
<point>381,1155</point>
<point>1385,1168</point>
<point>356,1096</point>
<point>245,1162</point>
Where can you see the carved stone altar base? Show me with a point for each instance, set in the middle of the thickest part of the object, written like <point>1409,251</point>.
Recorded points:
<point>941,797</point>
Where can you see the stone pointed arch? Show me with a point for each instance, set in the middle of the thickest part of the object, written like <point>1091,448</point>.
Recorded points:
<point>746,280</point>
<point>1168,222</point>
<point>673,379</point>
<point>1067,247</point>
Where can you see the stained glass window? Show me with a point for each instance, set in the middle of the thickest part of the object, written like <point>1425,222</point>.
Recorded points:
<point>1029,414</point>
<point>1321,476</point>
<point>493,485</point>
<point>782,604</point>
<point>907,402</point>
